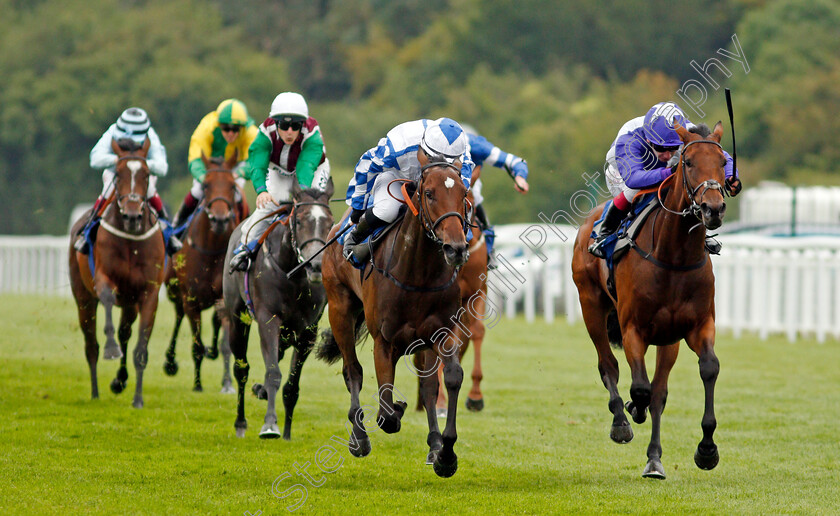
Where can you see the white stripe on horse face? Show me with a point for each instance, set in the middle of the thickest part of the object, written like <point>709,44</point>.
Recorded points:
<point>449,183</point>
<point>318,213</point>
<point>133,165</point>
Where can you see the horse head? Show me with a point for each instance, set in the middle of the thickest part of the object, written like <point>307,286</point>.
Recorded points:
<point>441,198</point>
<point>220,192</point>
<point>132,182</point>
<point>309,224</point>
<point>702,170</point>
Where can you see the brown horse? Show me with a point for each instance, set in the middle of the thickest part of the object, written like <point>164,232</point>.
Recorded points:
<point>472,281</point>
<point>129,257</point>
<point>408,299</point>
<point>665,292</point>
<point>194,275</point>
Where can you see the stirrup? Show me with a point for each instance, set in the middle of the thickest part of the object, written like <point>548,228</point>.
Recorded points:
<point>81,244</point>
<point>596,247</point>
<point>242,257</point>
<point>174,245</point>
<point>713,245</point>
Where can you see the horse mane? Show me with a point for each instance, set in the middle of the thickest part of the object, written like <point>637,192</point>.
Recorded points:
<point>217,160</point>
<point>701,129</point>
<point>312,192</point>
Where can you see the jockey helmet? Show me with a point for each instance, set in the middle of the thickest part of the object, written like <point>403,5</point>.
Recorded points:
<point>290,107</point>
<point>659,124</point>
<point>444,139</point>
<point>232,112</point>
<point>133,123</point>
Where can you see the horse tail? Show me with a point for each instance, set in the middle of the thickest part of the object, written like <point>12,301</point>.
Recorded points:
<point>614,330</point>
<point>328,349</point>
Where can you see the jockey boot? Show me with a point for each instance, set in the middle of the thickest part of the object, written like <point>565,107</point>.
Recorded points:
<point>489,236</point>
<point>243,255</point>
<point>81,243</point>
<point>352,248</point>
<point>185,210</point>
<point>612,220</point>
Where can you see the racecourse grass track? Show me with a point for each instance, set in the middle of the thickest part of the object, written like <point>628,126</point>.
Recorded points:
<point>541,446</point>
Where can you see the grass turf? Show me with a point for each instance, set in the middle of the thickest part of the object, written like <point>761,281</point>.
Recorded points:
<point>540,446</point>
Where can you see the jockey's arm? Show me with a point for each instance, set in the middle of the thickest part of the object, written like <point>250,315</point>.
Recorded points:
<point>369,166</point>
<point>309,158</point>
<point>201,142</point>
<point>102,156</point>
<point>156,158</point>
<point>259,154</point>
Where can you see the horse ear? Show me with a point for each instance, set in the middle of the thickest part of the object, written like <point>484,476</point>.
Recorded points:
<point>717,133</point>
<point>234,159</point>
<point>115,146</point>
<point>205,159</point>
<point>296,189</point>
<point>146,144</point>
<point>330,189</point>
<point>682,132</point>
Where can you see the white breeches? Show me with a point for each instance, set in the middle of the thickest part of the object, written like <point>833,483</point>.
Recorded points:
<point>616,184</point>
<point>385,207</point>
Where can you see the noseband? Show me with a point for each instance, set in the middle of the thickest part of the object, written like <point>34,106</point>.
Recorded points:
<point>230,204</point>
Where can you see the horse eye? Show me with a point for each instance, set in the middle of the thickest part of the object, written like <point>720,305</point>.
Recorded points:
<point>688,163</point>
<point>428,194</point>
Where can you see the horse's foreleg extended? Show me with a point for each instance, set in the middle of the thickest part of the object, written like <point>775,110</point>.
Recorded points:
<point>269,327</point>
<point>108,300</point>
<point>390,412</point>
<point>291,390</point>
<point>129,314</point>
<point>426,368</point>
<point>640,389</point>
<point>148,310</point>
<point>193,313</point>
<point>213,351</point>
<point>239,332</point>
<point>170,366</point>
<point>702,342</point>
<point>453,376</point>
<point>665,358</point>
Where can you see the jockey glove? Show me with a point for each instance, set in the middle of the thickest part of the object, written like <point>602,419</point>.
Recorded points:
<point>733,184</point>
<point>520,170</point>
<point>355,215</point>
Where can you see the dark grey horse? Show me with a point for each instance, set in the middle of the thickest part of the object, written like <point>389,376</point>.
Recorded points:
<point>286,310</point>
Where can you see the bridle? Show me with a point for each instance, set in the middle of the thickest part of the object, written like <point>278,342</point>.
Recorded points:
<point>230,204</point>
<point>709,184</point>
<point>422,211</point>
<point>293,226</point>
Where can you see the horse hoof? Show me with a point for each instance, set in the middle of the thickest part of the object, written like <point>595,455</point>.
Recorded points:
<point>441,413</point>
<point>240,432</point>
<point>654,469</point>
<point>112,353</point>
<point>170,368</point>
<point>117,386</point>
<point>399,408</point>
<point>198,388</point>
<point>362,449</point>
<point>259,391</point>
<point>432,457</point>
<point>475,405</point>
<point>137,403</point>
<point>621,434</point>
<point>445,470</point>
<point>228,389</point>
<point>638,417</point>
<point>270,431</point>
<point>211,353</point>
<point>706,459</point>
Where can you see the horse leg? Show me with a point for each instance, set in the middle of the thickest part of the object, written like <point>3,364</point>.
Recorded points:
<point>453,375</point>
<point>193,313</point>
<point>428,394</point>
<point>87,322</point>
<point>227,384</point>
<point>702,342</point>
<point>170,366</point>
<point>239,332</point>
<point>148,310</point>
<point>640,389</point>
<point>213,351</point>
<point>390,412</point>
<point>595,317</point>
<point>269,339</point>
<point>475,399</point>
<point>108,300</point>
<point>666,356</point>
<point>129,314</point>
<point>291,390</point>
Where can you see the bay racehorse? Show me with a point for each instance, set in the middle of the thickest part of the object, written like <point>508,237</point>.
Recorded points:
<point>194,275</point>
<point>664,293</point>
<point>129,260</point>
<point>407,297</point>
<point>286,309</point>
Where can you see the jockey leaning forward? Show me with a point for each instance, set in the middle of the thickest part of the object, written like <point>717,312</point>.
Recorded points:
<point>401,154</point>
<point>482,151</point>
<point>133,124</point>
<point>220,134</point>
<point>289,148</point>
<point>645,153</point>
